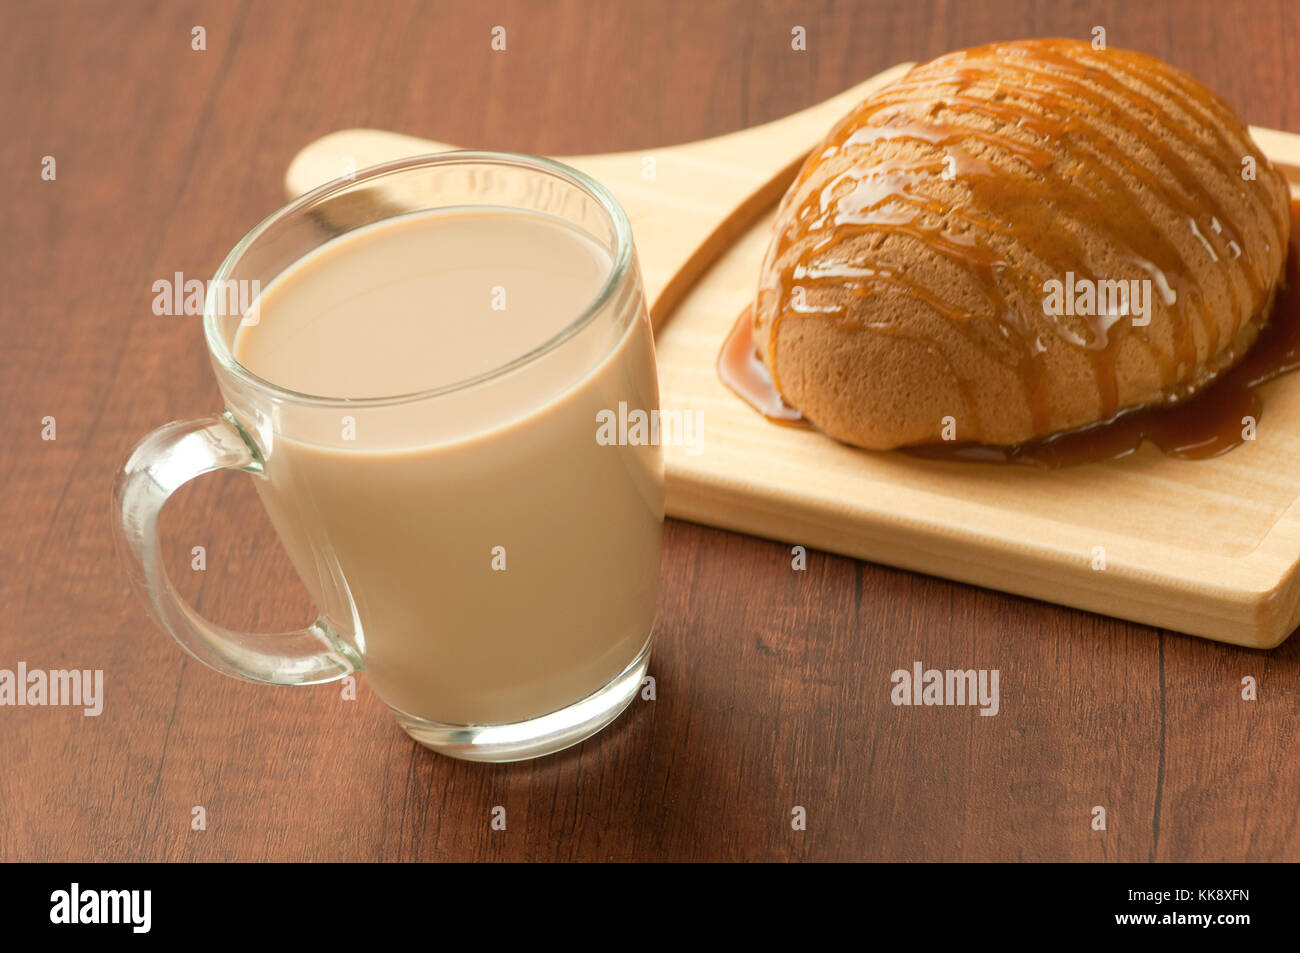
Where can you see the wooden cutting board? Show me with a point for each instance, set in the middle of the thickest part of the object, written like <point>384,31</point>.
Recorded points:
<point>1210,547</point>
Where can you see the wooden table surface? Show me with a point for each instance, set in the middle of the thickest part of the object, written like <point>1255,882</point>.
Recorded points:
<point>773,685</point>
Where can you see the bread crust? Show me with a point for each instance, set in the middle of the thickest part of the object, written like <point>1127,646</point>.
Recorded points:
<point>902,300</point>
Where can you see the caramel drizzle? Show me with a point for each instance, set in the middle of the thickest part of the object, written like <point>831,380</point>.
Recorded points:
<point>1207,425</point>
<point>1088,186</point>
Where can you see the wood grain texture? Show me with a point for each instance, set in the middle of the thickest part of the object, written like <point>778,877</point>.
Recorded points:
<point>773,685</point>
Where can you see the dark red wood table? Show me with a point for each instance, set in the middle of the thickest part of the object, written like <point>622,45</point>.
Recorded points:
<point>773,686</point>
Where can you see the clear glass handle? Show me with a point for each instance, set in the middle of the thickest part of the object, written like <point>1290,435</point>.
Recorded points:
<point>163,461</point>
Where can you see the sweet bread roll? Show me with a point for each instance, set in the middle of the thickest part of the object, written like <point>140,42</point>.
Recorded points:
<point>1016,240</point>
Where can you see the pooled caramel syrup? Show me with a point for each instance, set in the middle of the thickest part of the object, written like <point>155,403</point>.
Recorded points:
<point>1049,172</point>
<point>1206,425</point>
<point>744,372</point>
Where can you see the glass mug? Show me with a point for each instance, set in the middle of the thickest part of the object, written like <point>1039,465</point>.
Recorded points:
<point>489,562</point>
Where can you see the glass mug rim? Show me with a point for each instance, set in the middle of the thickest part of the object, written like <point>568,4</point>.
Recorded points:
<point>621,263</point>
